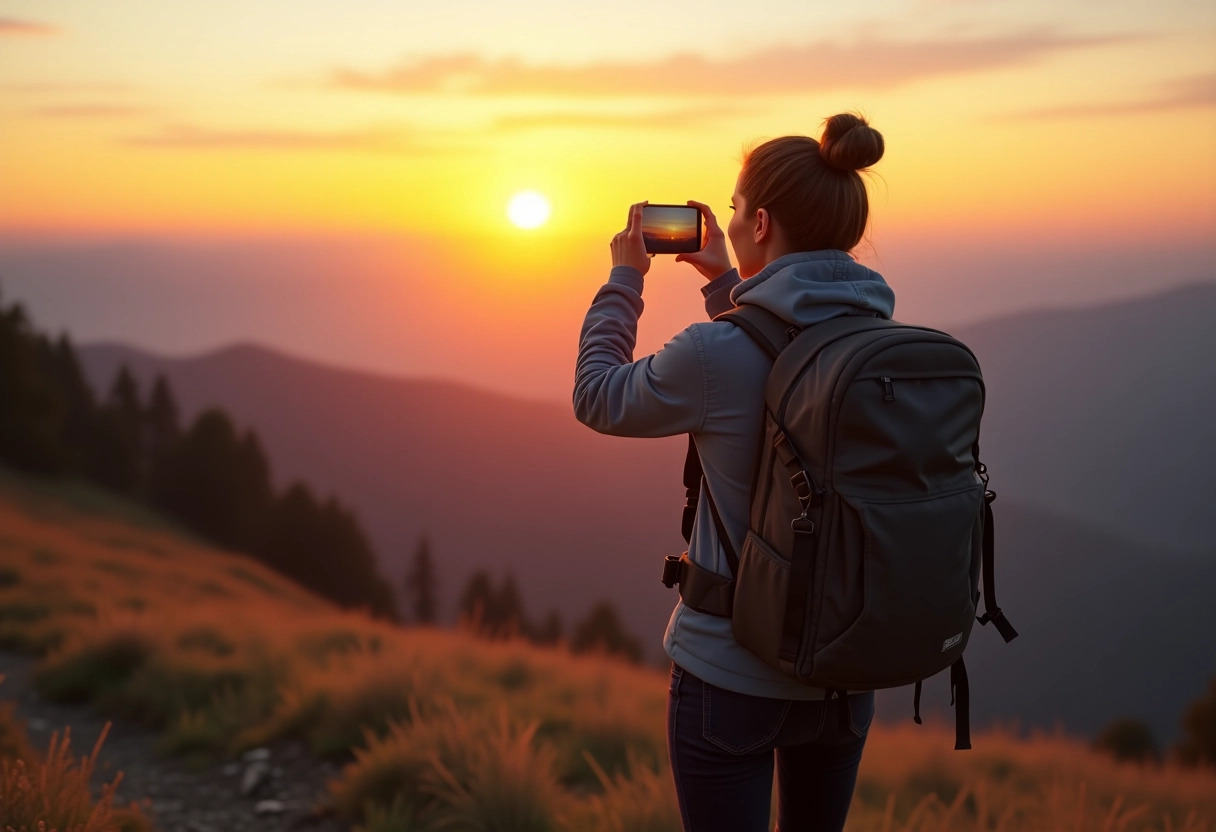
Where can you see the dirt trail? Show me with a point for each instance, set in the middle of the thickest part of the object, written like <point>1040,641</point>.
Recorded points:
<point>176,797</point>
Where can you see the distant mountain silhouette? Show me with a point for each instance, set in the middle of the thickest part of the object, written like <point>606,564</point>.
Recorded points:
<point>1105,413</point>
<point>1086,409</point>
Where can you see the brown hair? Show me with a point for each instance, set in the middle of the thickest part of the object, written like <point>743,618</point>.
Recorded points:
<point>813,189</point>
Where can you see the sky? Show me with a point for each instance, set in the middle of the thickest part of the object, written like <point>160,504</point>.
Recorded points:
<point>332,178</point>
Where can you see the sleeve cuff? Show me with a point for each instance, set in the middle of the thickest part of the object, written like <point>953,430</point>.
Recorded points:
<point>627,276</point>
<point>717,292</point>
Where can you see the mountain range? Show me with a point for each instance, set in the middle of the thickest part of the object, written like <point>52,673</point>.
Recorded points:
<point>1097,433</point>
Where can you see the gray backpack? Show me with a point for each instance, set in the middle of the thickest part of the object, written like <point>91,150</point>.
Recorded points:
<point>871,522</point>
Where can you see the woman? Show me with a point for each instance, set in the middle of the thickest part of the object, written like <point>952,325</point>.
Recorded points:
<point>799,207</point>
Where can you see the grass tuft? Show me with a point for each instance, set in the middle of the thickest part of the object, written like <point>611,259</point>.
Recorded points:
<point>54,793</point>
<point>456,770</point>
<point>637,801</point>
<point>95,668</point>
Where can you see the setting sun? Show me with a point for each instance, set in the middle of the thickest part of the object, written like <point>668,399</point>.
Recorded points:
<point>528,209</point>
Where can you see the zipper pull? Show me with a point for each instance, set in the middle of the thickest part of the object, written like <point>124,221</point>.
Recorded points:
<point>888,389</point>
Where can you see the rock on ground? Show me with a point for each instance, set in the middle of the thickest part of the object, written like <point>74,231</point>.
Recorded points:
<point>177,797</point>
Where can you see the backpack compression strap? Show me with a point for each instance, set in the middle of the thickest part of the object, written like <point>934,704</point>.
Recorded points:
<point>992,612</point>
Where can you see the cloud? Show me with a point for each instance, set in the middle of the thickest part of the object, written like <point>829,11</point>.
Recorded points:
<point>12,26</point>
<point>870,63</point>
<point>658,120</point>
<point>70,89</point>
<point>188,137</point>
<point>86,111</point>
<point>1175,94</point>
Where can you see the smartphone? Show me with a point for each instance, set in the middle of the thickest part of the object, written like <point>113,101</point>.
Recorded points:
<point>671,229</point>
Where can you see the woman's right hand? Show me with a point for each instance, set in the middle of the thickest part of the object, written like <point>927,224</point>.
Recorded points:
<point>713,260</point>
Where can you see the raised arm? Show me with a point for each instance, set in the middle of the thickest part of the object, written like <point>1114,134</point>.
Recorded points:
<point>659,395</point>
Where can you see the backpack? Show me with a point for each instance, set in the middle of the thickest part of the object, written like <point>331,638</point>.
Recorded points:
<point>871,521</point>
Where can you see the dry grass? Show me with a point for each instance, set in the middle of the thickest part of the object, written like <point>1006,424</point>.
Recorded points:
<point>52,794</point>
<point>442,730</point>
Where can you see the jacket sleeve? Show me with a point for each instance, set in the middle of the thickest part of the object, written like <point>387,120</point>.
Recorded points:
<point>660,395</point>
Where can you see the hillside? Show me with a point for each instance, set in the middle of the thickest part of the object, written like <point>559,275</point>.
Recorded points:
<point>218,656</point>
<point>504,484</point>
<point>498,483</point>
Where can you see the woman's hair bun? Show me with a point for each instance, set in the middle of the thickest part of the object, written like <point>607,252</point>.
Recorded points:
<point>849,143</point>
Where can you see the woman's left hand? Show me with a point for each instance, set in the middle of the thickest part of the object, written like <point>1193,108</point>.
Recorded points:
<point>628,248</point>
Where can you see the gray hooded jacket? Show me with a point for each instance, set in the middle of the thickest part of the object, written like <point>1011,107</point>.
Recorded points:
<point>709,381</point>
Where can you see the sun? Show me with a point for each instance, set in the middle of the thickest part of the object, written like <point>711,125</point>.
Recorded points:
<point>528,209</point>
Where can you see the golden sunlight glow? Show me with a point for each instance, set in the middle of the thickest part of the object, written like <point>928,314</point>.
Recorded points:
<point>528,209</point>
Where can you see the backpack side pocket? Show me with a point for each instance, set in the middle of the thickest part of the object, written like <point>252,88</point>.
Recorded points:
<point>762,590</point>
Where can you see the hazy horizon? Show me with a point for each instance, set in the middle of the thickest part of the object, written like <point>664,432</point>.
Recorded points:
<point>330,299</point>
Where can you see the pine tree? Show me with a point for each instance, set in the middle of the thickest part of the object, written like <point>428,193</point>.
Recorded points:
<point>321,546</point>
<point>602,631</point>
<point>162,417</point>
<point>511,619</point>
<point>550,630</point>
<point>217,483</point>
<point>32,413</point>
<point>119,461</point>
<point>420,584</point>
<point>477,603</point>
<point>80,428</point>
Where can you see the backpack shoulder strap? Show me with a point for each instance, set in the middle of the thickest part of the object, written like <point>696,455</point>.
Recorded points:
<point>769,331</point>
<point>694,481</point>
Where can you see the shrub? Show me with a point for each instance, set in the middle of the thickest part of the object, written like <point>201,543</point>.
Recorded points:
<point>1198,745</point>
<point>95,668</point>
<point>1129,740</point>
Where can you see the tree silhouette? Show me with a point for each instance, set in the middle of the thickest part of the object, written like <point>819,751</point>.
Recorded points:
<point>119,461</point>
<point>420,584</point>
<point>212,479</point>
<point>321,546</point>
<point>217,483</point>
<point>511,619</point>
<point>477,603</point>
<point>80,430</point>
<point>494,612</point>
<point>163,416</point>
<point>32,412</point>
<point>602,631</point>
<point>550,630</point>
<point>1198,744</point>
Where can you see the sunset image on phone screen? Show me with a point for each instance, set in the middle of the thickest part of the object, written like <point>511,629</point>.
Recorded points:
<point>671,229</point>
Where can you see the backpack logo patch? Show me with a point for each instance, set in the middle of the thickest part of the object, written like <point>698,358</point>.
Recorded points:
<point>950,642</point>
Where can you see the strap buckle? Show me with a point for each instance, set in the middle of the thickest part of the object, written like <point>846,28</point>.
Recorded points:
<point>990,615</point>
<point>673,569</point>
<point>803,488</point>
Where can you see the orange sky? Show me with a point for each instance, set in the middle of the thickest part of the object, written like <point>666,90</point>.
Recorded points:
<point>1012,130</point>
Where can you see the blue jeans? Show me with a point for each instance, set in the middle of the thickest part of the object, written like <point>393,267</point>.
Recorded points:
<point>722,745</point>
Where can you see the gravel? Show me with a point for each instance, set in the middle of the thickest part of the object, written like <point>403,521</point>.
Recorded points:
<point>288,794</point>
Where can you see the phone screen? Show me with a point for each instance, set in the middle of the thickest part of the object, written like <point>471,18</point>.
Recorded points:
<point>671,229</point>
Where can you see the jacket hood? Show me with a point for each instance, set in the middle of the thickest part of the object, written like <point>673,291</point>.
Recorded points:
<point>807,287</point>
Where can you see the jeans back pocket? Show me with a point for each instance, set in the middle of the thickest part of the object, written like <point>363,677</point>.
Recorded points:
<point>739,723</point>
